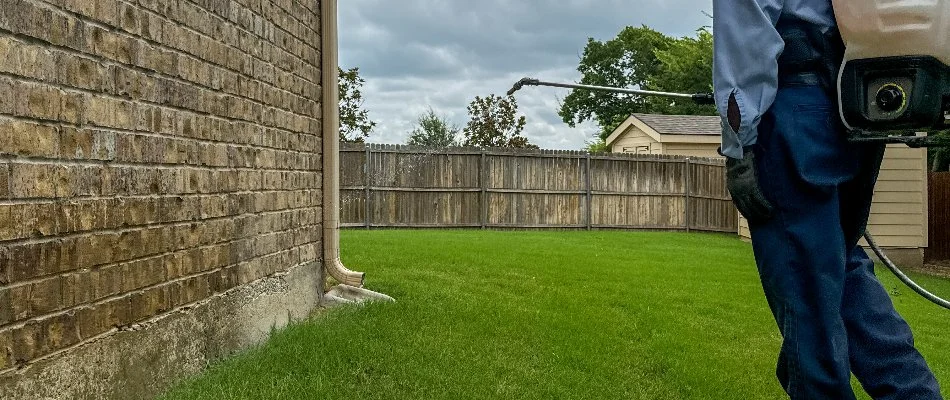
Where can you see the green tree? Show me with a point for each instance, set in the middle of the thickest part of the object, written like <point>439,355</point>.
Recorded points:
<point>434,131</point>
<point>938,157</point>
<point>355,125</point>
<point>640,57</point>
<point>686,67</point>
<point>494,123</point>
<point>597,145</point>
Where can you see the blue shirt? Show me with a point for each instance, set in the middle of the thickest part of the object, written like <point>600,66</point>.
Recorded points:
<point>746,47</point>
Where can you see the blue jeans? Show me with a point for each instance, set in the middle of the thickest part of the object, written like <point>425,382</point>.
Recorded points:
<point>834,315</point>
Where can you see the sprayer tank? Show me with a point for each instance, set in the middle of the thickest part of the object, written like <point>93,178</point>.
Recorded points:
<point>888,28</point>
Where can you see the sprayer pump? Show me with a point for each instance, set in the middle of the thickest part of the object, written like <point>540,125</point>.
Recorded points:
<point>895,93</point>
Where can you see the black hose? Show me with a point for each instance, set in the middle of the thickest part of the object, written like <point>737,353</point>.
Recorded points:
<point>903,277</point>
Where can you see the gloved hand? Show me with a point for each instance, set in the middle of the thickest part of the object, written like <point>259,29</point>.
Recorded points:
<point>743,183</point>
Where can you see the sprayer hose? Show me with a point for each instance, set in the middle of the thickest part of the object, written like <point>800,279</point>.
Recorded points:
<point>903,277</point>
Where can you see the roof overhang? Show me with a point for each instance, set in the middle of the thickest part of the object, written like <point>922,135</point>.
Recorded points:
<point>635,122</point>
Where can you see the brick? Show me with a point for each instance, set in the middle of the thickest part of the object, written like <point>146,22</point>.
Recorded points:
<point>6,349</point>
<point>120,312</point>
<point>91,322</point>
<point>88,144</point>
<point>152,27</point>
<point>83,73</point>
<point>27,261</point>
<point>76,34</point>
<point>77,289</point>
<point>20,309</point>
<point>29,140</point>
<point>39,338</point>
<point>108,281</point>
<point>253,76</point>
<point>33,180</point>
<point>129,17</point>
<point>27,342</point>
<point>71,108</point>
<point>149,303</point>
<point>45,296</point>
<point>81,216</point>
<point>6,310</point>
<point>73,181</point>
<point>84,7</point>
<point>143,273</point>
<point>128,246</point>
<point>37,101</point>
<point>20,221</point>
<point>58,30</point>
<point>100,111</point>
<point>93,250</point>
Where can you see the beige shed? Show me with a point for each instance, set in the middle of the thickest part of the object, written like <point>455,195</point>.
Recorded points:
<point>899,214</point>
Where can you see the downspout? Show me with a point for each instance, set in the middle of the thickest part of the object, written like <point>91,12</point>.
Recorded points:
<point>331,149</point>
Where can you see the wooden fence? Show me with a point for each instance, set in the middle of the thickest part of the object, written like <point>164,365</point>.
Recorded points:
<point>403,186</point>
<point>939,243</point>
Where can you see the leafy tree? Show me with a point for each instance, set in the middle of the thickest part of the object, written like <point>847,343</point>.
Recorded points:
<point>355,125</point>
<point>939,157</point>
<point>597,145</point>
<point>494,123</point>
<point>640,57</point>
<point>686,68</point>
<point>434,131</point>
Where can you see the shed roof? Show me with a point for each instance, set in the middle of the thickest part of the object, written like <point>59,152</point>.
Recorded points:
<point>682,124</point>
<point>672,128</point>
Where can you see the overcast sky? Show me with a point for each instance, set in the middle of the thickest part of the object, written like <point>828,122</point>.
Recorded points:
<point>442,53</point>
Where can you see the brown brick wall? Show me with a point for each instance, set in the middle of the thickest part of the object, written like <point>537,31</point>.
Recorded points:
<point>153,153</point>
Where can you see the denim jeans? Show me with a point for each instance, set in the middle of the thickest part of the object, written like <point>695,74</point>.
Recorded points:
<point>834,315</point>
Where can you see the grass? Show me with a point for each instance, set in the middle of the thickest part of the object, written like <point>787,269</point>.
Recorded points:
<point>540,315</point>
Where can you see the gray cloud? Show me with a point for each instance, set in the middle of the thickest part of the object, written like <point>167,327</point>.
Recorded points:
<point>442,53</point>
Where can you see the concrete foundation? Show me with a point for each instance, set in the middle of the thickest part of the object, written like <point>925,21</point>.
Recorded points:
<point>143,361</point>
<point>904,258</point>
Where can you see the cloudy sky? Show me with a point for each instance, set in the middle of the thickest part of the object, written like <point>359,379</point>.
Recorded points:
<point>442,53</point>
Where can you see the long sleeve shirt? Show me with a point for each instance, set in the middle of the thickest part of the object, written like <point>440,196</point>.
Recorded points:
<point>746,48</point>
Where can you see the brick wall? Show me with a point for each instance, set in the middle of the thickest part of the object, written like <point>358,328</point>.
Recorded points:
<point>153,153</point>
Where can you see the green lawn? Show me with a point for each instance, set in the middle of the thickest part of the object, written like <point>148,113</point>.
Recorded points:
<point>541,315</point>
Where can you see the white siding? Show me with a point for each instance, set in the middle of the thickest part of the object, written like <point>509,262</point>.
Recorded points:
<point>691,149</point>
<point>899,212</point>
<point>899,209</point>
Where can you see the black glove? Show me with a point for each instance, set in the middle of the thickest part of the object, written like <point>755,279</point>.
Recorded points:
<point>743,183</point>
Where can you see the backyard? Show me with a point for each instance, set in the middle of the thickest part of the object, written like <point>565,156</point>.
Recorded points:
<point>537,315</point>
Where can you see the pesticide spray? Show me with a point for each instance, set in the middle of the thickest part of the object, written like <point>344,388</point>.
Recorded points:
<point>893,85</point>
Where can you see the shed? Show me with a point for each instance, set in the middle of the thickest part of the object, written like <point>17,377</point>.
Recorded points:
<point>899,214</point>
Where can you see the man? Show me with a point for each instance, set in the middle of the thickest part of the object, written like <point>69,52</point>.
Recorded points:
<point>807,194</point>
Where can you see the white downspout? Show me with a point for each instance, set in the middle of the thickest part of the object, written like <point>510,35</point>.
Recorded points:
<point>331,148</point>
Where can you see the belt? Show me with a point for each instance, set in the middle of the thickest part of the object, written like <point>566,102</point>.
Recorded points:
<point>799,79</point>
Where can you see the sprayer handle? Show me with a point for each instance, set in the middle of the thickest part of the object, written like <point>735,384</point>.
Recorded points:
<point>704,98</point>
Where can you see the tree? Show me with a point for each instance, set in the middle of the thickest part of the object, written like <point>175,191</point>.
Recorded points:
<point>640,58</point>
<point>597,145</point>
<point>355,125</point>
<point>494,123</point>
<point>938,157</point>
<point>434,131</point>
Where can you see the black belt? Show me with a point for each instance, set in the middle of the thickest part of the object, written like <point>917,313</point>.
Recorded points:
<point>799,79</point>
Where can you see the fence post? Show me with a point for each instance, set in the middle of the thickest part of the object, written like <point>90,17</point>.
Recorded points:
<point>483,181</point>
<point>367,195</point>
<point>688,182</point>
<point>590,197</point>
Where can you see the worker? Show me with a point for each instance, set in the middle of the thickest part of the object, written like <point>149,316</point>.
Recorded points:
<point>806,193</point>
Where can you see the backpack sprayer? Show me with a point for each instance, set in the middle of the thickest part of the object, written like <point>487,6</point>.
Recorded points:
<point>894,82</point>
